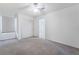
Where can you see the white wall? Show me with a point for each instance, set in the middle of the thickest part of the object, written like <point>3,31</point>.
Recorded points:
<point>36,27</point>
<point>63,26</point>
<point>25,26</point>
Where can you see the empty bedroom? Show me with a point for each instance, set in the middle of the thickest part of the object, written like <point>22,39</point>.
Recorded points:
<point>39,28</point>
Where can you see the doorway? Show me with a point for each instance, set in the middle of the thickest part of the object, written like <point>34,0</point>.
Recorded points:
<point>42,28</point>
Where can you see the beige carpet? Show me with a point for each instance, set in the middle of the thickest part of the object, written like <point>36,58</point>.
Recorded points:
<point>35,46</point>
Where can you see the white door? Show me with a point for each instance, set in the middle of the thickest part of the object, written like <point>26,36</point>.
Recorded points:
<point>7,28</point>
<point>42,28</point>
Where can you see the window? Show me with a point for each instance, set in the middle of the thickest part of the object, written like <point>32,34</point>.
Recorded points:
<point>8,24</point>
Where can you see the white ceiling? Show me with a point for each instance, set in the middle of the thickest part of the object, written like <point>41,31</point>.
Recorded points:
<point>11,9</point>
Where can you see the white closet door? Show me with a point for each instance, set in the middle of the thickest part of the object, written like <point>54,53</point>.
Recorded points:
<point>42,28</point>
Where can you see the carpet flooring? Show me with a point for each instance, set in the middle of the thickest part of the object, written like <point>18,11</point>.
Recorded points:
<point>36,46</point>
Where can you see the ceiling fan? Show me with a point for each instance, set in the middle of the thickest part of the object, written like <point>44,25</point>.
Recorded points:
<point>39,6</point>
